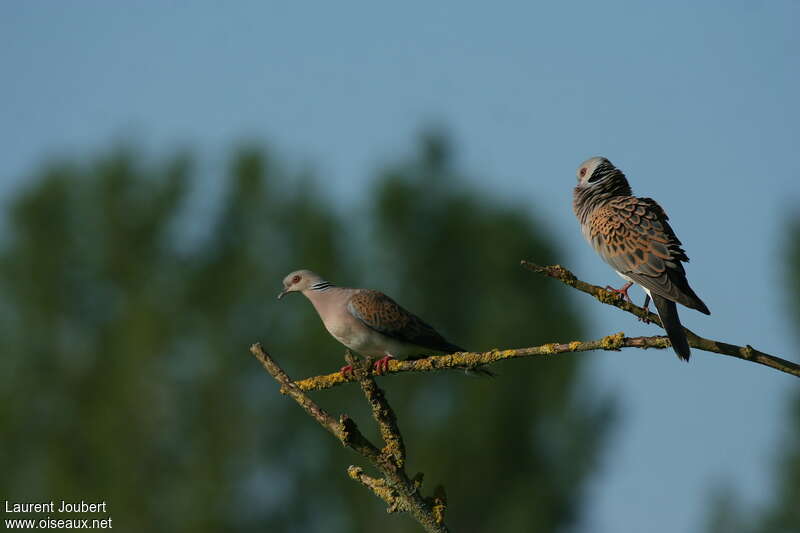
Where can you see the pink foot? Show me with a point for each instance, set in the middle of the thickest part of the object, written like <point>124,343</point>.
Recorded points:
<point>346,371</point>
<point>382,364</point>
<point>622,290</point>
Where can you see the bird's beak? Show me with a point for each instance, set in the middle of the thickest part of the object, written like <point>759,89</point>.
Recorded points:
<point>282,293</point>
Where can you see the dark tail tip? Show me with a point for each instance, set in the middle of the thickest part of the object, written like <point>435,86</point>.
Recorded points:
<point>479,371</point>
<point>668,312</point>
<point>696,303</point>
<point>683,352</point>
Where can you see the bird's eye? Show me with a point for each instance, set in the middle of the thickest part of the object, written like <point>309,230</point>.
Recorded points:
<point>295,279</point>
<point>583,172</point>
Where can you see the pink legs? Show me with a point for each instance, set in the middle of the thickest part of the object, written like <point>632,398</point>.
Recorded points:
<point>382,364</point>
<point>622,290</point>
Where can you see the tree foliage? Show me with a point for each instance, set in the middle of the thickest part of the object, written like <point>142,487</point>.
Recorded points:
<point>782,513</point>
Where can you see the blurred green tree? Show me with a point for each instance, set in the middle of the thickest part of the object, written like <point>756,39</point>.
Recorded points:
<point>129,297</point>
<point>782,514</point>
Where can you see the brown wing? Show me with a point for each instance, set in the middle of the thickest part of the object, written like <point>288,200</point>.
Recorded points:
<point>382,314</point>
<point>633,236</point>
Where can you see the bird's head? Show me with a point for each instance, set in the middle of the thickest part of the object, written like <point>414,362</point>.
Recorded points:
<point>599,175</point>
<point>595,170</point>
<point>299,281</point>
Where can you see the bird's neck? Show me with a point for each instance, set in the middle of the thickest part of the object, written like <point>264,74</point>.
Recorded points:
<point>319,294</point>
<point>587,199</point>
<point>321,286</point>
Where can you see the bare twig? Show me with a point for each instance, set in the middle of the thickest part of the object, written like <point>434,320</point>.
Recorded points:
<point>748,353</point>
<point>400,492</point>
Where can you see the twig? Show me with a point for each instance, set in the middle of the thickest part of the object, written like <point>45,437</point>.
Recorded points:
<point>396,488</point>
<point>748,353</point>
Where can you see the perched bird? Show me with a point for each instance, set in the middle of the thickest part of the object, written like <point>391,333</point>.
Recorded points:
<point>632,235</point>
<point>368,321</point>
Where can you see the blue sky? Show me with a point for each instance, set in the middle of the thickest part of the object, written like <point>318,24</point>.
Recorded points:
<point>696,103</point>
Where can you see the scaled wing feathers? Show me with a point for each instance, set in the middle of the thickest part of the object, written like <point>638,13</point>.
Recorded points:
<point>633,236</point>
<point>382,314</point>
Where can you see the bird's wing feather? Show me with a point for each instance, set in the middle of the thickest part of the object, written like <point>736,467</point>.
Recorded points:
<point>633,236</point>
<point>382,314</point>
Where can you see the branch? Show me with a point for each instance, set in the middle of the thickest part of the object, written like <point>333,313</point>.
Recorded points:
<point>395,488</point>
<point>382,412</point>
<point>611,342</point>
<point>458,361</point>
<point>400,492</point>
<point>747,352</point>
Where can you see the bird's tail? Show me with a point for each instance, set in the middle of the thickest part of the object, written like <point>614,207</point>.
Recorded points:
<point>479,372</point>
<point>668,311</point>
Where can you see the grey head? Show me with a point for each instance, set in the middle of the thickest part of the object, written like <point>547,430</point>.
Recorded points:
<point>598,181</point>
<point>303,280</point>
<point>599,172</point>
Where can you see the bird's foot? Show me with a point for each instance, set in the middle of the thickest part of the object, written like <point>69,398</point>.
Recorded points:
<point>346,371</point>
<point>622,290</point>
<point>382,364</point>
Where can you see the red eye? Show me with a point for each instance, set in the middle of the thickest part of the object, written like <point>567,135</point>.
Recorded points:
<point>583,172</point>
<point>295,279</point>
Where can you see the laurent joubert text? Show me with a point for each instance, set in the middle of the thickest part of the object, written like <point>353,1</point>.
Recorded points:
<point>49,522</point>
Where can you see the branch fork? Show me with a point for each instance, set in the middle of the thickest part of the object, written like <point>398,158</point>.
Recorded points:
<point>394,487</point>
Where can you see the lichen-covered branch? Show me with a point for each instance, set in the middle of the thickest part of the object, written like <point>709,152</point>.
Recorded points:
<point>610,342</point>
<point>379,486</point>
<point>400,492</point>
<point>458,361</point>
<point>382,412</point>
<point>395,488</point>
<point>748,353</point>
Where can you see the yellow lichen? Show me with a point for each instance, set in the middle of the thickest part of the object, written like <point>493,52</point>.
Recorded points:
<point>439,503</point>
<point>495,354</point>
<point>608,297</point>
<point>549,349</point>
<point>574,345</point>
<point>438,512</point>
<point>378,486</point>
<point>321,382</point>
<point>564,275</point>
<point>393,449</point>
<point>355,472</point>
<point>612,342</point>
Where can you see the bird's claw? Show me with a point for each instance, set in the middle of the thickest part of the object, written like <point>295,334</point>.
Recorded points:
<point>382,365</point>
<point>346,371</point>
<point>622,291</point>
